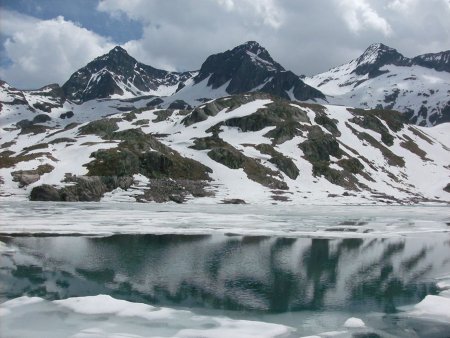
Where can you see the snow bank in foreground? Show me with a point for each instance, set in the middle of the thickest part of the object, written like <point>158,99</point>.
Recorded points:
<point>436,307</point>
<point>104,316</point>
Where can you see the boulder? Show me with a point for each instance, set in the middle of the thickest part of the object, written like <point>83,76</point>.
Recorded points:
<point>45,192</point>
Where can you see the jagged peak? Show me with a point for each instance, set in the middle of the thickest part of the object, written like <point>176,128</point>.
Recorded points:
<point>115,53</point>
<point>118,50</point>
<point>374,52</point>
<point>252,47</point>
<point>258,54</point>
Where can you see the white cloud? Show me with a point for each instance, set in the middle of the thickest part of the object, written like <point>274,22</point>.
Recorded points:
<point>402,5</point>
<point>181,34</point>
<point>260,12</point>
<point>265,10</point>
<point>46,51</point>
<point>227,4</point>
<point>359,15</point>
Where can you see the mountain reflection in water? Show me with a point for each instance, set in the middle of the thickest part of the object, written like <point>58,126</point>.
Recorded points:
<point>228,272</point>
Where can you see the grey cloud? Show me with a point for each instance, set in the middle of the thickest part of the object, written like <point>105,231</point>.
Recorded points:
<point>304,36</point>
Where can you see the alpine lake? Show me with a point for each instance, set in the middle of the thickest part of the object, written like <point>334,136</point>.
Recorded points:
<point>222,271</point>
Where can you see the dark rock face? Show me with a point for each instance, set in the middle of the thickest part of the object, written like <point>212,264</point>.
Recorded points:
<point>24,123</point>
<point>202,112</point>
<point>233,201</point>
<point>45,192</point>
<point>277,113</point>
<point>371,119</point>
<point>41,118</point>
<point>283,163</point>
<point>437,61</point>
<point>320,146</point>
<point>100,78</point>
<point>286,81</point>
<point>103,128</point>
<point>144,154</point>
<point>84,189</point>
<point>178,191</point>
<point>68,115</point>
<point>235,65</point>
<point>250,67</point>
<point>179,104</point>
<point>226,154</point>
<point>92,188</point>
<point>447,188</point>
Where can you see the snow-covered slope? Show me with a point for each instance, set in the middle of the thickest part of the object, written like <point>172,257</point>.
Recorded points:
<point>383,78</point>
<point>254,148</point>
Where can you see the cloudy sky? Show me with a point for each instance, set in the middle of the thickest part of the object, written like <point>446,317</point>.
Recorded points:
<point>45,41</point>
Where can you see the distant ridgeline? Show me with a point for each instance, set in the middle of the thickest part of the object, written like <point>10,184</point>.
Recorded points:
<point>242,129</point>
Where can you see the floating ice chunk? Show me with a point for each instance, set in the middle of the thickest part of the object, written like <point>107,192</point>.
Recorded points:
<point>436,307</point>
<point>5,248</point>
<point>443,285</point>
<point>328,334</point>
<point>232,328</point>
<point>445,293</point>
<point>6,307</point>
<point>105,304</point>
<point>354,323</point>
<point>104,316</point>
<point>21,301</point>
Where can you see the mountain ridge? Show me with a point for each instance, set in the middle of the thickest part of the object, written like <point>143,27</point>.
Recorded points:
<point>247,67</point>
<point>420,88</point>
<point>381,77</point>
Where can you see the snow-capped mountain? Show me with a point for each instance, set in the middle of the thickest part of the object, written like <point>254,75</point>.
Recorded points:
<point>247,67</point>
<point>383,78</point>
<point>380,78</point>
<point>234,131</point>
<point>252,147</point>
<point>119,74</point>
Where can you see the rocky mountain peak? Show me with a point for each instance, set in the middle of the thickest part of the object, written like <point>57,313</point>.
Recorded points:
<point>117,50</point>
<point>254,49</point>
<point>376,56</point>
<point>115,59</point>
<point>374,52</point>
<point>118,73</point>
<point>249,67</point>
<point>249,59</point>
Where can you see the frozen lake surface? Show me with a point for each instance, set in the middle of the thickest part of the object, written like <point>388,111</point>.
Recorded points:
<point>275,220</point>
<point>135,270</point>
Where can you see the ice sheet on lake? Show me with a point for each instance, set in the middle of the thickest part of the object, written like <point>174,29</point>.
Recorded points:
<point>104,316</point>
<point>288,221</point>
